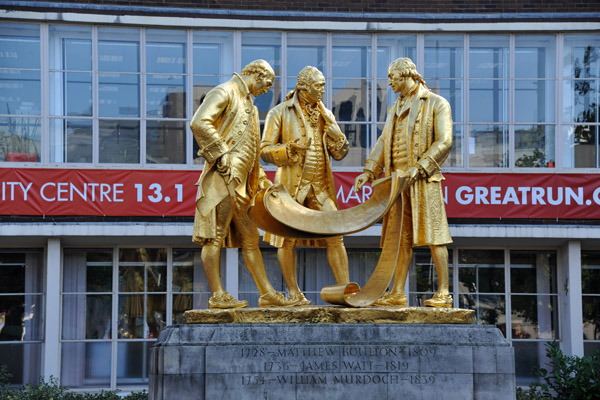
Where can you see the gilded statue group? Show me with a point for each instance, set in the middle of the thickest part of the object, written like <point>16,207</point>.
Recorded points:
<point>300,137</point>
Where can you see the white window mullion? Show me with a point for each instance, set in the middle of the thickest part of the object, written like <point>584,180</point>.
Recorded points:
<point>95,99</point>
<point>507,291</point>
<point>283,66</point>
<point>143,97</point>
<point>189,99</point>
<point>52,346</point>
<point>115,319</point>
<point>570,299</point>
<point>456,295</point>
<point>237,51</point>
<point>329,71</point>
<point>511,103</point>
<point>558,142</point>
<point>169,291</point>
<point>231,271</point>
<point>373,117</point>
<point>45,95</point>
<point>420,61</point>
<point>466,130</point>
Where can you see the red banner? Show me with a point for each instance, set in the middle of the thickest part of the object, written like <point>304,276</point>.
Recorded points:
<point>172,193</point>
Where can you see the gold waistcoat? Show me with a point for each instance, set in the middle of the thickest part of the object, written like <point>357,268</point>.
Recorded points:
<point>243,154</point>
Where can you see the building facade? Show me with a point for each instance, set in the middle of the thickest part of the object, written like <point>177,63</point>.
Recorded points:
<point>98,165</point>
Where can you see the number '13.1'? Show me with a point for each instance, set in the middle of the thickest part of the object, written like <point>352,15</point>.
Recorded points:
<point>157,194</point>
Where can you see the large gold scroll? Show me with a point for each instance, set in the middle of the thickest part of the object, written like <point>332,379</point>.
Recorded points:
<point>275,211</point>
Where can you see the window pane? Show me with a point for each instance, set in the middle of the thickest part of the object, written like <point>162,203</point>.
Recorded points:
<point>591,317</point>
<point>316,273</point>
<point>86,364</point>
<point>455,159</point>
<point>86,316</point>
<point>534,317</point>
<point>262,45</point>
<point>580,58</point>
<point>188,272</point>
<point>451,90</point>
<point>213,53</point>
<point>19,46</point>
<point>23,362</point>
<point>130,369</point>
<point>20,139</point>
<point>385,98</point>
<point>156,314</point>
<point>534,101</point>
<point>267,101</point>
<point>188,277</point>
<point>490,309</point>
<point>23,317</point>
<point>481,271</point>
<point>203,84</point>
<point>529,355</point>
<point>351,56</point>
<point>443,56</point>
<point>580,101</point>
<point>131,316</point>
<point>488,100</point>
<point>72,92</point>
<point>423,277</point>
<point>118,49</point>
<point>532,272</point>
<point>488,146</point>
<point>119,141</point>
<point>351,99</point>
<point>391,47</point>
<point>488,56</point>
<point>70,48</point>
<point>71,140</point>
<point>579,146</point>
<point>20,92</point>
<point>247,287</point>
<point>305,49</point>
<point>21,272</point>
<point>590,272</point>
<point>87,270</point>
<point>165,142</point>
<point>359,136</point>
<point>165,96</point>
<point>142,271</point>
<point>119,95</point>
<point>591,348</point>
<point>534,146</point>
<point>165,51</point>
<point>535,56</point>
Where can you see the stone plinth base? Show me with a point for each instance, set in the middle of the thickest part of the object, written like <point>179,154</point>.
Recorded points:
<point>331,361</point>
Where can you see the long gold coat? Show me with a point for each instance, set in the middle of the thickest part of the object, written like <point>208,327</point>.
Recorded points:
<point>429,137</point>
<point>226,114</point>
<point>285,123</point>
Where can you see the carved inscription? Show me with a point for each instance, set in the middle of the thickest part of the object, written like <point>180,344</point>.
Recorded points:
<point>335,365</point>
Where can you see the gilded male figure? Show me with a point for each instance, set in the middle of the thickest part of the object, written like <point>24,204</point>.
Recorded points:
<point>416,139</point>
<point>226,127</point>
<point>300,136</point>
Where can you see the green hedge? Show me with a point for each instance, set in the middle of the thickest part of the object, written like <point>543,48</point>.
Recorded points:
<point>51,390</point>
<point>569,377</point>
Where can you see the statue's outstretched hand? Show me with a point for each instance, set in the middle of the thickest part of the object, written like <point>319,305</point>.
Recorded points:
<point>296,147</point>
<point>363,178</point>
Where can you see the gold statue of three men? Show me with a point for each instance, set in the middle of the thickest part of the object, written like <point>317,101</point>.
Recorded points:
<point>300,135</point>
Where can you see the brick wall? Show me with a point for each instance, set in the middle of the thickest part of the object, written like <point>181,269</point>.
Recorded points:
<point>382,7</point>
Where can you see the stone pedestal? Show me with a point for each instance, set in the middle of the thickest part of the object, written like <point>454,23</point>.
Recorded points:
<point>331,361</point>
